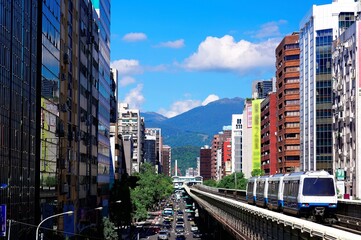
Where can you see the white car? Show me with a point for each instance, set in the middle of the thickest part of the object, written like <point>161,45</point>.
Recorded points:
<point>163,234</point>
<point>194,228</point>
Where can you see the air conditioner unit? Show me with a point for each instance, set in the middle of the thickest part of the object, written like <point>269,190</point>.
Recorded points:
<point>339,87</point>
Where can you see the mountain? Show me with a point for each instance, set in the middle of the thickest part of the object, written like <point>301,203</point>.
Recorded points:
<point>197,126</point>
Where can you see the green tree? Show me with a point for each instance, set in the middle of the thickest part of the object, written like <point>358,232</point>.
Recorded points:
<point>150,189</point>
<point>109,232</point>
<point>210,183</point>
<point>233,181</point>
<point>257,172</point>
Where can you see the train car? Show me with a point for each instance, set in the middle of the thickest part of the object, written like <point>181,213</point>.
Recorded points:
<point>310,194</point>
<point>262,191</point>
<point>275,192</point>
<point>251,190</point>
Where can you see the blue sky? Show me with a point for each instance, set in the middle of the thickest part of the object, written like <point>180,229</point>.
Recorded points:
<point>174,55</point>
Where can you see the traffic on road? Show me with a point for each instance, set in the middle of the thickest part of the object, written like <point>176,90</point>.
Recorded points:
<point>177,219</point>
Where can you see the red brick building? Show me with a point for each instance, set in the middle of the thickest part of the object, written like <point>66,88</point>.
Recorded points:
<point>269,134</point>
<point>288,103</point>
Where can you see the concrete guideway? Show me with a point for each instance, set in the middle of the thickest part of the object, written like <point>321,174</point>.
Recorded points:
<point>237,215</point>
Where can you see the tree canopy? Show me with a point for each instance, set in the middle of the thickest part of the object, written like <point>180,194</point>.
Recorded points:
<point>257,172</point>
<point>150,189</point>
<point>233,181</point>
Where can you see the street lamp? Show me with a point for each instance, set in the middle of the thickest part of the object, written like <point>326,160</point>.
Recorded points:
<point>90,210</point>
<point>53,216</point>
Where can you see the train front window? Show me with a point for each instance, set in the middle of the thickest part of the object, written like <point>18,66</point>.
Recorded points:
<point>318,187</point>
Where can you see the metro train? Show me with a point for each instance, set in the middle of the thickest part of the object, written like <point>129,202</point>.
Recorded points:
<point>306,194</point>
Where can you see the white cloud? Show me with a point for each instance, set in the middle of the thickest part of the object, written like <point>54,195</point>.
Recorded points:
<point>270,29</point>
<point>172,44</point>
<point>125,81</point>
<point>209,99</point>
<point>225,54</point>
<point>127,66</point>
<point>135,97</point>
<point>134,37</point>
<point>180,107</point>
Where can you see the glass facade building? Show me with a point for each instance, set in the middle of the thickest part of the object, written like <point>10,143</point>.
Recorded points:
<point>19,112</point>
<point>318,30</point>
<point>49,116</point>
<point>102,8</point>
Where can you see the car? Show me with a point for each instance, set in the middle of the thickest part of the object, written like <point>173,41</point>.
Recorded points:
<point>163,234</point>
<point>194,228</point>
<point>190,218</point>
<point>179,229</point>
<point>197,234</point>
<point>180,236</point>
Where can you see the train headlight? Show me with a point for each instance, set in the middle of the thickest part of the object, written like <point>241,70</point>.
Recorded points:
<point>332,205</point>
<point>305,205</point>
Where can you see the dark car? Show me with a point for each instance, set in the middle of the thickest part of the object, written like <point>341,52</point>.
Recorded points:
<point>197,234</point>
<point>180,236</point>
<point>179,229</point>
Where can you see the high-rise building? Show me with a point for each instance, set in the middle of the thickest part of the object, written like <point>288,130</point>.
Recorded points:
<point>77,128</point>
<point>149,150</point>
<point>347,111</point>
<point>157,133</point>
<point>116,140</point>
<point>50,93</point>
<point>288,104</point>
<point>215,158</point>
<point>269,134</point>
<point>205,160</point>
<point>132,125</point>
<point>261,88</point>
<point>20,101</point>
<point>166,160</point>
<point>106,100</point>
<point>318,29</point>
<point>251,137</point>
<point>237,142</point>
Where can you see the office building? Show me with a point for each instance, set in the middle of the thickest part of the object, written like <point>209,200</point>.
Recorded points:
<point>166,160</point>
<point>20,101</point>
<point>317,31</point>
<point>261,88</point>
<point>288,103</point>
<point>149,150</point>
<point>157,133</point>
<point>106,88</point>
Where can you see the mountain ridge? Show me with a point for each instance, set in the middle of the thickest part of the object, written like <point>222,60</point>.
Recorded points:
<point>197,126</point>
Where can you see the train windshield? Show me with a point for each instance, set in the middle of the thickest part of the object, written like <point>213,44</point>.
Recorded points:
<point>318,187</point>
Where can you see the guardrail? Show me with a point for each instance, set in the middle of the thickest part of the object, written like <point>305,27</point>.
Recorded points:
<point>296,224</point>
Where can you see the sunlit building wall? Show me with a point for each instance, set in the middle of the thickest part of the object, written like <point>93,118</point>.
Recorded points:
<point>346,69</point>
<point>317,31</point>
<point>237,142</point>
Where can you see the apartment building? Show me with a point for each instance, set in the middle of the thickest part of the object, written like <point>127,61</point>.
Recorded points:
<point>288,103</point>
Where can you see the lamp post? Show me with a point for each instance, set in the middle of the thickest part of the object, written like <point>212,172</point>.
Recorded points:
<point>53,216</point>
<point>90,210</point>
